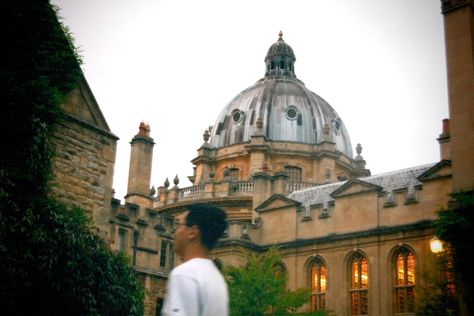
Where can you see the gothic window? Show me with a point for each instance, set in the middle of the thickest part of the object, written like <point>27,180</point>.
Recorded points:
<point>164,244</point>
<point>359,282</point>
<point>319,277</point>
<point>122,239</point>
<point>293,173</point>
<point>404,281</point>
<point>282,65</point>
<point>279,269</point>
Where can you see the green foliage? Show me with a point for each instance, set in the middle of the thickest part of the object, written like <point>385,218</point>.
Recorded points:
<point>50,261</point>
<point>62,268</point>
<point>438,297</point>
<point>259,288</point>
<point>455,226</point>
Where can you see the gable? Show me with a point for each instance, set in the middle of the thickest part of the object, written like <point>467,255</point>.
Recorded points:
<point>441,169</point>
<point>276,201</point>
<point>80,103</point>
<point>355,186</point>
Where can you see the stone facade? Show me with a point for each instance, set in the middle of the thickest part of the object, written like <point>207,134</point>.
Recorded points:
<point>83,164</point>
<point>459,39</point>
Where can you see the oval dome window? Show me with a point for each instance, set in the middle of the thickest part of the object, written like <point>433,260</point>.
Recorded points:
<point>291,112</point>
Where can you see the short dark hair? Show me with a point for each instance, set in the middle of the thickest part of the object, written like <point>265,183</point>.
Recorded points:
<point>211,221</point>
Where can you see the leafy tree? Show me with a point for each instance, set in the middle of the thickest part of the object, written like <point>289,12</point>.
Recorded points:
<point>50,261</point>
<point>455,226</point>
<point>258,288</point>
<point>438,296</point>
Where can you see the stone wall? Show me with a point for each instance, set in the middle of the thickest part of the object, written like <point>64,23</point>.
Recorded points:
<point>84,158</point>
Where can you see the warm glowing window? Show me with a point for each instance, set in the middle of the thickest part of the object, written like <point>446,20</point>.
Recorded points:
<point>319,276</point>
<point>293,173</point>
<point>404,281</point>
<point>359,285</point>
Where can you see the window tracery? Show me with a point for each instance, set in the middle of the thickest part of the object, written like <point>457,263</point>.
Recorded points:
<point>359,284</point>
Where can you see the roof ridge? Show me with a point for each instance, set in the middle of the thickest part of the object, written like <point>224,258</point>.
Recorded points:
<point>398,171</point>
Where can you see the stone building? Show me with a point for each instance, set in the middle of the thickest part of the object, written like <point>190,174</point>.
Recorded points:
<point>280,161</point>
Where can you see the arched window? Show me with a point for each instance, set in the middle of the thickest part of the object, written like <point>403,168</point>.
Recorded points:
<point>359,285</point>
<point>279,269</point>
<point>293,173</point>
<point>319,276</point>
<point>404,281</point>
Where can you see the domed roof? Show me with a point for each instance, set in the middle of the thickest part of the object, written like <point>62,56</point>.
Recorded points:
<point>288,110</point>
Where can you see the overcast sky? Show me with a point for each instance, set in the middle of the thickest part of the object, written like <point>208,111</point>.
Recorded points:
<point>176,63</point>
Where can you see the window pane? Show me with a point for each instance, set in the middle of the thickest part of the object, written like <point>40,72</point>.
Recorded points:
<point>400,296</point>
<point>410,269</point>
<point>364,274</point>
<point>234,174</point>
<point>355,299</point>
<point>400,263</point>
<point>410,299</point>
<point>322,302</point>
<point>364,303</point>
<point>163,253</point>
<point>121,239</point>
<point>314,278</point>
<point>293,173</point>
<point>323,279</point>
<point>405,281</point>
<point>355,274</point>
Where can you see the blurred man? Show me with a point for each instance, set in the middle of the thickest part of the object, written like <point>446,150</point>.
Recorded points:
<point>196,287</point>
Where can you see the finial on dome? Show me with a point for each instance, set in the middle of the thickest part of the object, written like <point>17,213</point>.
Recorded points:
<point>359,151</point>
<point>280,36</point>
<point>206,135</point>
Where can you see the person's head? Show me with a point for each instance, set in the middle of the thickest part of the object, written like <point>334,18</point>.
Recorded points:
<point>201,223</point>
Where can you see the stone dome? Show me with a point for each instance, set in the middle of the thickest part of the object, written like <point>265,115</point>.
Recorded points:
<point>288,110</point>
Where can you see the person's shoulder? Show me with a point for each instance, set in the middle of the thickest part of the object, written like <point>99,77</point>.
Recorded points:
<point>191,266</point>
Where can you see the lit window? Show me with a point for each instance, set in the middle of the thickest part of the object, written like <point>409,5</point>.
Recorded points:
<point>359,285</point>
<point>293,173</point>
<point>404,281</point>
<point>319,278</point>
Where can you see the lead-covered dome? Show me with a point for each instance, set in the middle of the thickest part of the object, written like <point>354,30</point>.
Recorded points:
<point>288,110</point>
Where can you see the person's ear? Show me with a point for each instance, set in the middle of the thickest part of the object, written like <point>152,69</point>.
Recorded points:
<point>193,232</point>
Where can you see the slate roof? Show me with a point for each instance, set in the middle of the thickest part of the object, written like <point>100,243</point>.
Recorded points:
<point>390,181</point>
